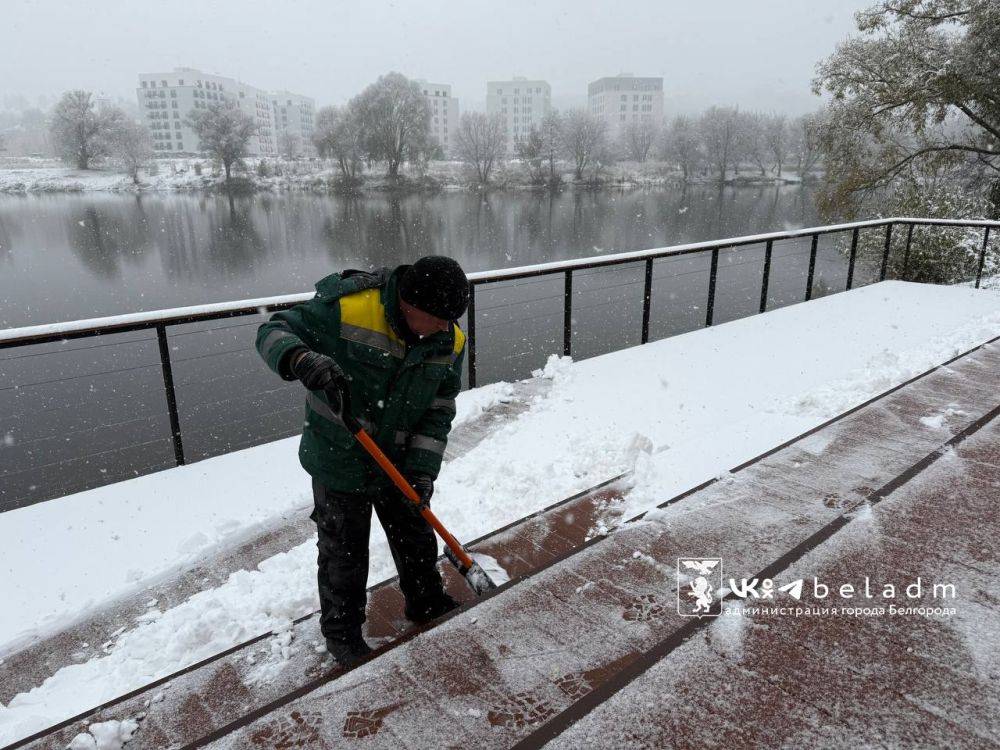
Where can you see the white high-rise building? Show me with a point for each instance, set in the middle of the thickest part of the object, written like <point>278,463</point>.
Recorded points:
<point>521,103</point>
<point>626,98</point>
<point>167,100</point>
<point>294,115</point>
<point>444,113</point>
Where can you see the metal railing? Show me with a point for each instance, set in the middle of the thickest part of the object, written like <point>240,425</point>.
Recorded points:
<point>163,319</point>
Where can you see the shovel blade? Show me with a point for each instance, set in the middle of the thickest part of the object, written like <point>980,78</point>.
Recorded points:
<point>477,578</point>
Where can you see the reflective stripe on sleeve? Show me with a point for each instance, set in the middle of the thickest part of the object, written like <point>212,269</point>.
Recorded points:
<point>272,340</point>
<point>430,444</point>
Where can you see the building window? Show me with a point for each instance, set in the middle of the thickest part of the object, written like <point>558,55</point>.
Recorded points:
<point>143,84</point>
<point>163,84</point>
<point>180,81</point>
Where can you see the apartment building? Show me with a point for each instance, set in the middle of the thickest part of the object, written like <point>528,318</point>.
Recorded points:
<point>521,103</point>
<point>167,100</point>
<point>294,115</point>
<point>626,98</point>
<point>444,113</point>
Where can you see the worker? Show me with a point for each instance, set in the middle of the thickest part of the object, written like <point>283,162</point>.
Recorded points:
<point>389,337</point>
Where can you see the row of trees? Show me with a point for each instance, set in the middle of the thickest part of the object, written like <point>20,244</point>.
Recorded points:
<point>82,133</point>
<point>389,123</point>
<point>717,144</point>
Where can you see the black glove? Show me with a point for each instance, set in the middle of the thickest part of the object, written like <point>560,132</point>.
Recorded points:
<point>424,486</point>
<point>320,373</point>
<point>317,371</point>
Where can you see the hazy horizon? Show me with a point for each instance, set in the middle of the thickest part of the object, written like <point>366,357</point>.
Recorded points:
<point>760,57</point>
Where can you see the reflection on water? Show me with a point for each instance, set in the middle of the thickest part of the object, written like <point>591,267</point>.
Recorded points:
<point>68,256</point>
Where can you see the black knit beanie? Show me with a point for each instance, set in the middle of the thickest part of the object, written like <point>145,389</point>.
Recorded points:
<point>437,285</point>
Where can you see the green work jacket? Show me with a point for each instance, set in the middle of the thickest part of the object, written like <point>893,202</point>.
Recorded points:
<point>404,395</point>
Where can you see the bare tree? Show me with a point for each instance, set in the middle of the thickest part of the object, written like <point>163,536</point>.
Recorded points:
<point>481,140</point>
<point>584,139</point>
<point>718,128</point>
<point>804,142</point>
<point>752,140</point>
<point>395,119</point>
<point>338,136</point>
<point>290,145</point>
<point>551,135</point>
<point>682,145</point>
<point>132,146</point>
<point>531,150</point>
<point>776,136</point>
<point>224,132</point>
<point>638,137</point>
<point>80,132</point>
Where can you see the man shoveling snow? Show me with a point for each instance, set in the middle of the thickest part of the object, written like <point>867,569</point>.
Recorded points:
<point>390,339</point>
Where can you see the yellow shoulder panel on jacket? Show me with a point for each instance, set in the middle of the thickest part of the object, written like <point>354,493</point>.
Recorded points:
<point>459,339</point>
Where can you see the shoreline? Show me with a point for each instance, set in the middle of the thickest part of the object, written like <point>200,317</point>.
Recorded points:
<point>47,176</point>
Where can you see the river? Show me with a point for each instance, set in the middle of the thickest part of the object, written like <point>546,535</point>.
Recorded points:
<point>85,413</point>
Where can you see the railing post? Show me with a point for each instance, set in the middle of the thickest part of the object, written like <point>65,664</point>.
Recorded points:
<point>854,257</point>
<point>471,317</point>
<point>885,255</point>
<point>906,253</point>
<point>168,387</point>
<point>646,298</point>
<point>712,275</point>
<point>568,314</point>
<point>766,278</point>
<point>812,267</point>
<point>982,257</point>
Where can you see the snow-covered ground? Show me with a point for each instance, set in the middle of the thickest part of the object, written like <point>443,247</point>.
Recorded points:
<point>676,412</point>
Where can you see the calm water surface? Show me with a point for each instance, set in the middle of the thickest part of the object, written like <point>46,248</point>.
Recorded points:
<point>88,412</point>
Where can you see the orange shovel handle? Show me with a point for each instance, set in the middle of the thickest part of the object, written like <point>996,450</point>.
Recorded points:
<point>400,481</point>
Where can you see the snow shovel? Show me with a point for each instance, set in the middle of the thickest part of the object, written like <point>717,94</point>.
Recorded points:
<point>474,575</point>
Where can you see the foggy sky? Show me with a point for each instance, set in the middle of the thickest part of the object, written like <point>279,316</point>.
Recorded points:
<point>759,54</point>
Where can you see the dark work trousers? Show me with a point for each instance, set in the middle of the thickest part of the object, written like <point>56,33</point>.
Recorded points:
<point>344,523</point>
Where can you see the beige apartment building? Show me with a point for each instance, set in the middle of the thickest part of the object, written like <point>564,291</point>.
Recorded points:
<point>167,100</point>
<point>444,114</point>
<point>294,115</point>
<point>626,98</point>
<point>521,103</point>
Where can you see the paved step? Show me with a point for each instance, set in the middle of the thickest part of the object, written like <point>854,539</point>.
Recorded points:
<point>189,704</point>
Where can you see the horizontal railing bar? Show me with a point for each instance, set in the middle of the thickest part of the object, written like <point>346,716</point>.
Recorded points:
<point>40,334</point>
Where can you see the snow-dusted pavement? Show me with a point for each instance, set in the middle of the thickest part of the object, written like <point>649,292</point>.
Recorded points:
<point>677,411</point>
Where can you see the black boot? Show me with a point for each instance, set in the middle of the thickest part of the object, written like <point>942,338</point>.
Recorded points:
<point>348,650</point>
<point>426,610</point>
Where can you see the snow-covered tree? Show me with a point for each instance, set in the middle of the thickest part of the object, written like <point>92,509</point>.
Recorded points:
<point>637,139</point>
<point>481,140</point>
<point>290,145</point>
<point>132,147</point>
<point>550,132</point>
<point>224,132</point>
<point>682,145</point>
<point>718,128</point>
<point>776,139</point>
<point>530,150</point>
<point>394,119</point>
<point>584,140</point>
<point>338,136</point>
<point>80,132</point>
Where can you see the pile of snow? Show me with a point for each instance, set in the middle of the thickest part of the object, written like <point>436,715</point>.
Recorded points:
<point>677,412</point>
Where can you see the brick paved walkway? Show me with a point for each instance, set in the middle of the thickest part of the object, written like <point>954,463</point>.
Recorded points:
<point>589,648</point>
